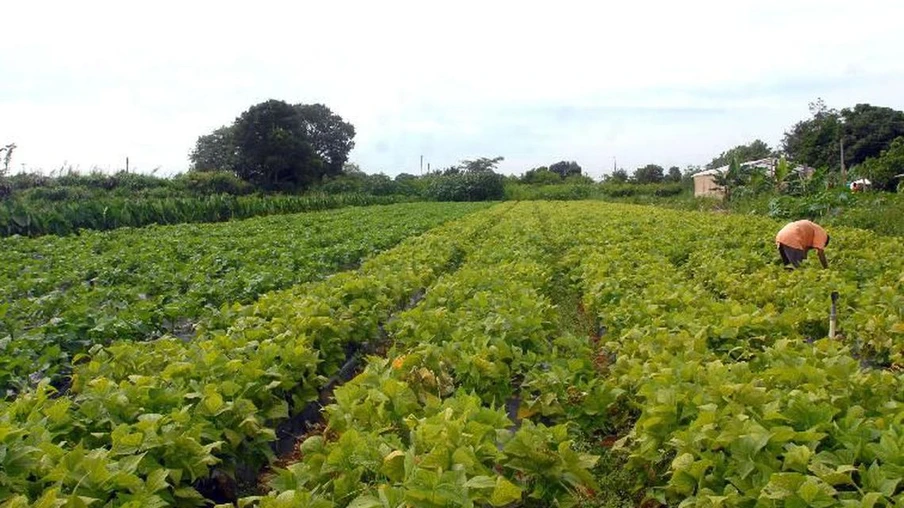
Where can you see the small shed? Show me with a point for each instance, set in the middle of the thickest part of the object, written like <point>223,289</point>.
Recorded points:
<point>705,184</point>
<point>705,181</point>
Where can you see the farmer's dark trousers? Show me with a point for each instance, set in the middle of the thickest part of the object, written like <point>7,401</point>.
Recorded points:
<point>791,256</point>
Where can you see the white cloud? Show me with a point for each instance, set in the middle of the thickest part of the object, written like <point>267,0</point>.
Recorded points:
<point>669,82</point>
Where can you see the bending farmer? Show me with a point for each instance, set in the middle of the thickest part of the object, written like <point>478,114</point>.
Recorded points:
<point>795,239</point>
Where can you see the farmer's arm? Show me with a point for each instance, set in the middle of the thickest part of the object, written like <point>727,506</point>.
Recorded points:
<point>822,257</point>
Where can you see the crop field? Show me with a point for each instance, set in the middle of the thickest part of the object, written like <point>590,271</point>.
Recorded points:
<point>431,355</point>
<point>61,295</point>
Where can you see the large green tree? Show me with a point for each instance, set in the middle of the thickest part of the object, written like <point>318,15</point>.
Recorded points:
<point>868,131</point>
<point>272,147</point>
<point>756,149</point>
<point>651,173</point>
<point>865,129</point>
<point>278,145</point>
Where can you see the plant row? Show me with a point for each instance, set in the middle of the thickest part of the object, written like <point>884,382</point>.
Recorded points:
<point>144,422</point>
<point>437,422</point>
<point>61,295</point>
<point>722,361</point>
<point>712,377</point>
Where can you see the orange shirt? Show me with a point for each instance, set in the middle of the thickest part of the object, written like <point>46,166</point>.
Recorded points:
<point>803,235</point>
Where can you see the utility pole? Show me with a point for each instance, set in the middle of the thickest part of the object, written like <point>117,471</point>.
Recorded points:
<point>422,164</point>
<point>127,164</point>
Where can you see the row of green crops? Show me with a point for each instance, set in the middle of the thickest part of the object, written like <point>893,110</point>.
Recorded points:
<point>144,421</point>
<point>428,426</point>
<point>713,377</point>
<point>738,399</point>
<point>35,218</point>
<point>542,337</point>
<point>61,295</point>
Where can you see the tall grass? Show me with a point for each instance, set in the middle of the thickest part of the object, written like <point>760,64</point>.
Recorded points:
<point>607,191</point>
<point>41,217</point>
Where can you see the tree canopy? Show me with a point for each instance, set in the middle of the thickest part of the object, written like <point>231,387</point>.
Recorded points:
<point>273,148</point>
<point>651,173</point>
<point>619,176</point>
<point>882,170</point>
<point>814,142</point>
<point>215,151</point>
<point>866,130</point>
<point>566,168</point>
<point>278,145</point>
<point>541,175</point>
<point>555,173</point>
<point>480,165</point>
<point>330,137</point>
<point>674,174</point>
<point>756,149</point>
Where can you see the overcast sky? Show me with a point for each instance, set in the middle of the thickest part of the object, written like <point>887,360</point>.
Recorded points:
<point>670,82</point>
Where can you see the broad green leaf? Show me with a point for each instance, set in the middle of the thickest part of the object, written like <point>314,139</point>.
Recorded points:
<point>874,479</point>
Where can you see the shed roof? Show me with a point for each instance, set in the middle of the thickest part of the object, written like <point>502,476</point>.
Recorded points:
<point>709,172</point>
<point>767,163</point>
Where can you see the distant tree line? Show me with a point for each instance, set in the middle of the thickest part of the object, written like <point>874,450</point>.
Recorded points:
<point>283,147</point>
<point>871,139</point>
<point>279,146</point>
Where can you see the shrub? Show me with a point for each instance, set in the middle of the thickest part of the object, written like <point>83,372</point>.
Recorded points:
<point>213,182</point>
<point>469,186</point>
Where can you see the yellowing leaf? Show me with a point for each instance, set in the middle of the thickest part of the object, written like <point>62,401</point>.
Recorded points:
<point>394,466</point>
<point>505,492</point>
<point>212,402</point>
